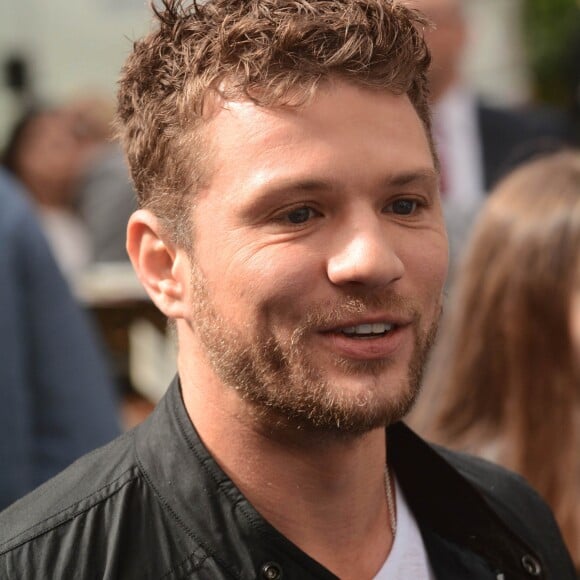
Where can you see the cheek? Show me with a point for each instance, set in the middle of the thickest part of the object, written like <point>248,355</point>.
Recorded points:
<point>263,279</point>
<point>284,278</point>
<point>426,265</point>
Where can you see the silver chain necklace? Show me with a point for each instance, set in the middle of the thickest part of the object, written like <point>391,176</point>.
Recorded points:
<point>390,503</point>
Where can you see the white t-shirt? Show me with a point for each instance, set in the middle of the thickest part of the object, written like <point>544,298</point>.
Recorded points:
<point>408,557</point>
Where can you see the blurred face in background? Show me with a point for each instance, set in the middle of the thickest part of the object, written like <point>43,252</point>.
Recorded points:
<point>47,158</point>
<point>446,42</point>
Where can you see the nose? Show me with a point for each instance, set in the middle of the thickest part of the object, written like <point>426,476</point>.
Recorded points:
<point>363,254</point>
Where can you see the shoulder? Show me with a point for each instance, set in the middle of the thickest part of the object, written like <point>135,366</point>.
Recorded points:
<point>77,490</point>
<point>483,473</point>
<point>510,496</point>
<point>525,132</point>
<point>512,136</point>
<point>78,520</point>
<point>537,120</point>
<point>100,517</point>
<point>478,506</point>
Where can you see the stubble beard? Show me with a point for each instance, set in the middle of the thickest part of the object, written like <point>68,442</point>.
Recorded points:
<point>283,385</point>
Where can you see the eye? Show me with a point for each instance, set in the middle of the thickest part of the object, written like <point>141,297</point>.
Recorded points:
<point>300,215</point>
<point>403,207</point>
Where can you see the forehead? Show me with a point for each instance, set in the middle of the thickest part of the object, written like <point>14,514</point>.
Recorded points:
<point>343,127</point>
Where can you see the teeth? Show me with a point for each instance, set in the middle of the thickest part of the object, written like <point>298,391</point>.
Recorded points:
<point>366,329</point>
<point>380,327</point>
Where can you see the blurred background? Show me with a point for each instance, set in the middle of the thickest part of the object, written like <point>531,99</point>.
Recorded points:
<point>518,50</point>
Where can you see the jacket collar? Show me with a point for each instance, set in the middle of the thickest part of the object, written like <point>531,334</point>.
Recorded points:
<point>446,502</point>
<point>213,512</point>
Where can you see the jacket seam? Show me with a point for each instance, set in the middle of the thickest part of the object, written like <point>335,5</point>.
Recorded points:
<point>181,563</point>
<point>192,535</point>
<point>72,515</point>
<point>221,484</point>
<point>238,502</point>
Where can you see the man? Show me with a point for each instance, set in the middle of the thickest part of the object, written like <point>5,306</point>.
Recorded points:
<point>58,401</point>
<point>476,143</point>
<point>291,226</point>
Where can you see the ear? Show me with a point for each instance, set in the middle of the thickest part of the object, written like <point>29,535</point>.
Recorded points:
<point>161,267</point>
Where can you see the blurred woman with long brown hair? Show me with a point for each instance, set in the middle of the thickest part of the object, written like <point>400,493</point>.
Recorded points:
<point>504,381</point>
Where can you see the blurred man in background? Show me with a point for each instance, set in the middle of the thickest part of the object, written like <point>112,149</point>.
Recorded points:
<point>476,143</point>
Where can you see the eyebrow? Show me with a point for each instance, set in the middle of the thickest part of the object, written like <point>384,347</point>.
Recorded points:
<point>408,178</point>
<point>420,176</point>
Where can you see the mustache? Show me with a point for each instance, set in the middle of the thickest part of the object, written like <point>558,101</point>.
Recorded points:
<point>331,313</point>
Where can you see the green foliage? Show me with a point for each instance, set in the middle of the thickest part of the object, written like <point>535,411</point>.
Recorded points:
<point>552,30</point>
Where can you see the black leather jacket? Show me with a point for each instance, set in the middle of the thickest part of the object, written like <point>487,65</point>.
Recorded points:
<point>154,504</point>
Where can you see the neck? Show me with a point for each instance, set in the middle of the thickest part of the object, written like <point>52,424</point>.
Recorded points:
<point>325,494</point>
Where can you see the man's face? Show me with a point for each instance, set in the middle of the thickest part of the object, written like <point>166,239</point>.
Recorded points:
<point>49,158</point>
<point>319,258</point>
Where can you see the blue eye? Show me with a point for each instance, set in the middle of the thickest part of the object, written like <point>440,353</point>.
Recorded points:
<point>403,207</point>
<point>300,215</point>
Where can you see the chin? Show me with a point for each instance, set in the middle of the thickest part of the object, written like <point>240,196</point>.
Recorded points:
<point>347,408</point>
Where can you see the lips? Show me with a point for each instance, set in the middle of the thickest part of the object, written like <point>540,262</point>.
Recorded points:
<point>376,337</point>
